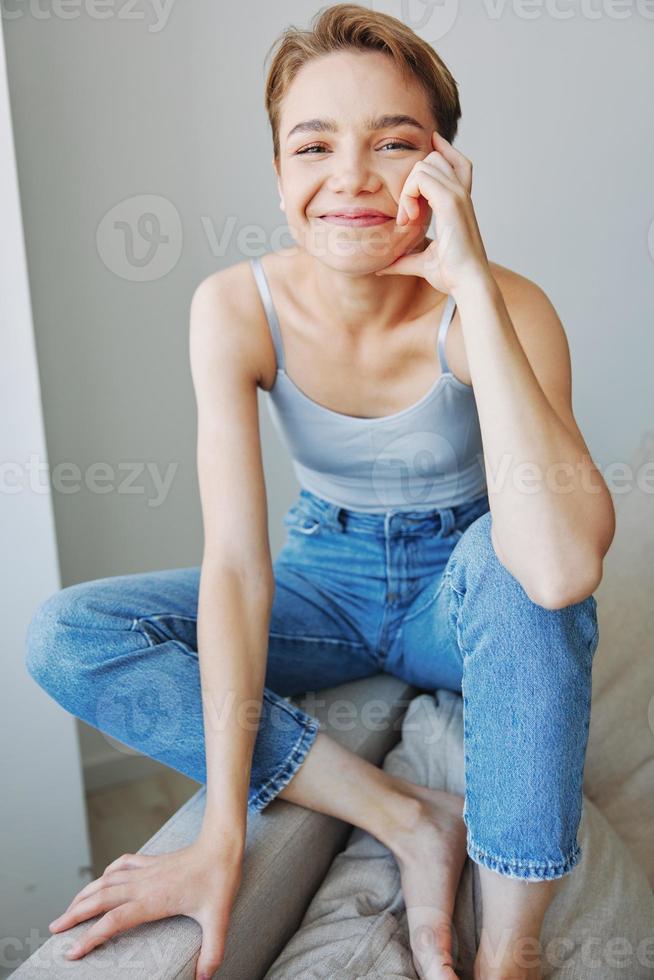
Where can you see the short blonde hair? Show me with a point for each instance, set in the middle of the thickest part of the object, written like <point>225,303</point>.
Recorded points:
<point>350,25</point>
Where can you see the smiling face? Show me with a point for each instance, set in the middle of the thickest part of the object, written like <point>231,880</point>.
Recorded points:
<point>351,129</point>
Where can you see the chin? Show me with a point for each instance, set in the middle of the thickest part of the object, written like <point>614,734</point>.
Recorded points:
<point>356,264</point>
<point>358,251</point>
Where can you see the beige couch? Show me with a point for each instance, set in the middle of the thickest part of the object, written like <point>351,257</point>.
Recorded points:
<point>321,899</point>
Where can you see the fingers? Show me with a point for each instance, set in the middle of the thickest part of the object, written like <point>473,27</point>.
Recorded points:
<point>430,182</point>
<point>116,873</point>
<point>462,165</point>
<point>438,160</point>
<point>211,955</point>
<point>117,920</point>
<point>214,937</point>
<point>94,886</point>
<point>104,898</point>
<point>445,161</point>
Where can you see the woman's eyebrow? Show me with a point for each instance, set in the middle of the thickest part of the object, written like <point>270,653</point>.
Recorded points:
<point>379,122</point>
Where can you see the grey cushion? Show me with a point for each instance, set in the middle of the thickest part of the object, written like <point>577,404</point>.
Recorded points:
<point>600,923</point>
<point>619,771</point>
<point>288,850</point>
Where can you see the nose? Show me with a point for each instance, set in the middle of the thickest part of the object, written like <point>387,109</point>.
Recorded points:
<point>352,172</point>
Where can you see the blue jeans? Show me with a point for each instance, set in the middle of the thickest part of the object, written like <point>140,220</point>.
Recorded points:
<point>418,594</point>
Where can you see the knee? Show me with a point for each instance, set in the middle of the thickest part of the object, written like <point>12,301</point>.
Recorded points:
<point>479,574</point>
<point>476,563</point>
<point>44,640</point>
<point>476,553</point>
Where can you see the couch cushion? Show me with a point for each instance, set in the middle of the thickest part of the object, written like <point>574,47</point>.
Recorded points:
<point>288,850</point>
<point>619,770</point>
<point>600,923</point>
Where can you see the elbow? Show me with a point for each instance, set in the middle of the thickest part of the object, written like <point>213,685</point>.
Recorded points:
<point>558,592</point>
<point>565,584</point>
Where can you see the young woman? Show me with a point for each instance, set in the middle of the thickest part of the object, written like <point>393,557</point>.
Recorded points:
<point>450,527</point>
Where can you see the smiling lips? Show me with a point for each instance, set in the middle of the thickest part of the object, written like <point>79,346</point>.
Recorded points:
<point>356,217</point>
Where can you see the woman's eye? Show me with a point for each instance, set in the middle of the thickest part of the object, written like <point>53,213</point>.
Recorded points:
<point>392,143</point>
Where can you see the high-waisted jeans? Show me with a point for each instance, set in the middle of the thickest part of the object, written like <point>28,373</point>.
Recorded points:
<point>418,594</point>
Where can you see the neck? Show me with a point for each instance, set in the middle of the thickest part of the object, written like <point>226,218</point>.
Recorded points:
<point>363,301</point>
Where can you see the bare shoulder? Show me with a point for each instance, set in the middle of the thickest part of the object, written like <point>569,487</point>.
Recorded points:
<point>226,364</point>
<point>521,294</point>
<point>227,315</point>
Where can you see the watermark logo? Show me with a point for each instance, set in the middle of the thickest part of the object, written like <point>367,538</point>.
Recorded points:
<point>433,17</point>
<point>154,13</point>
<point>140,238</point>
<point>145,707</point>
<point>413,463</point>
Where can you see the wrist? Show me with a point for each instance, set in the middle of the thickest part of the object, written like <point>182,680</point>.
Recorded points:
<point>216,841</point>
<point>221,834</point>
<point>479,284</point>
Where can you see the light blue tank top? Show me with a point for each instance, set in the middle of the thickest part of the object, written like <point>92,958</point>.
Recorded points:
<point>427,455</point>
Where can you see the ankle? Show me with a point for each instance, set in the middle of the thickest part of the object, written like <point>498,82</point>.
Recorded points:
<point>480,973</point>
<point>399,816</point>
<point>515,958</point>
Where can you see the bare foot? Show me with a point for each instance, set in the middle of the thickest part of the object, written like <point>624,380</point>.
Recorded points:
<point>431,856</point>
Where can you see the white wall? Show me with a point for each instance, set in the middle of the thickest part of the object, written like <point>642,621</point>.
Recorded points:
<point>44,848</point>
<point>170,105</point>
<point>164,113</point>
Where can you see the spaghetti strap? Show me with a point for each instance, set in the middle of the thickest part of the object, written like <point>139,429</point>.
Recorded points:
<point>446,319</point>
<point>269,306</point>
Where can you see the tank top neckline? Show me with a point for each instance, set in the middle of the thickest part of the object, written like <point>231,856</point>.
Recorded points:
<point>445,376</point>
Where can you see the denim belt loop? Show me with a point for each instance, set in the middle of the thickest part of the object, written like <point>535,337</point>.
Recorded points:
<point>332,517</point>
<point>448,521</point>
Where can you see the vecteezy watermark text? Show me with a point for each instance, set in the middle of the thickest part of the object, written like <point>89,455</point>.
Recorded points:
<point>17,476</point>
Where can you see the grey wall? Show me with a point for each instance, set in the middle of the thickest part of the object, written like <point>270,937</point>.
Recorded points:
<point>163,111</point>
<point>40,768</point>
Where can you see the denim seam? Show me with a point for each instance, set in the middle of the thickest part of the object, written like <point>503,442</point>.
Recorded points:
<point>457,617</point>
<point>136,627</point>
<point>273,786</point>
<point>76,626</point>
<point>596,637</point>
<point>183,647</point>
<point>136,624</point>
<point>428,602</point>
<point>166,615</point>
<point>318,639</point>
<point>512,866</point>
<point>277,701</point>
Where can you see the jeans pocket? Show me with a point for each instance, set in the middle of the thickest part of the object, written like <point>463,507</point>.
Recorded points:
<point>301,519</point>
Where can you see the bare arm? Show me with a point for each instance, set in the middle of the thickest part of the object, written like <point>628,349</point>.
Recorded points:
<point>236,581</point>
<point>552,536</point>
<point>202,879</point>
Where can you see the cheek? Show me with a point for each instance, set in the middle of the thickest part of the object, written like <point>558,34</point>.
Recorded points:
<point>300,191</point>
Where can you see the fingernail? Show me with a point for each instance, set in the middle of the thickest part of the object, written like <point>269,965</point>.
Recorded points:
<point>74,950</point>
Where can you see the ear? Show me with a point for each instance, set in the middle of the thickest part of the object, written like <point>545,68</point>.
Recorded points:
<point>280,192</point>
